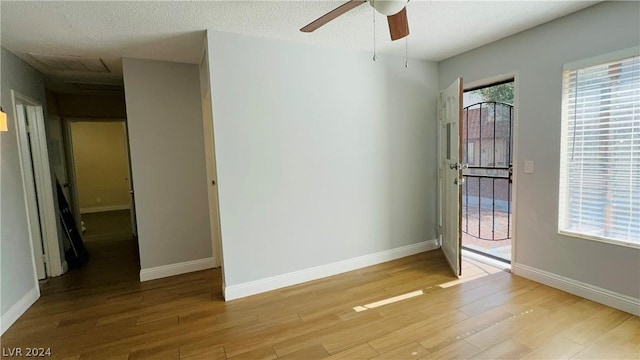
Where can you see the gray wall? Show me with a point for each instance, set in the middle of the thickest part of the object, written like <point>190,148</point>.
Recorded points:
<point>537,56</point>
<point>322,154</point>
<point>16,268</point>
<point>164,117</point>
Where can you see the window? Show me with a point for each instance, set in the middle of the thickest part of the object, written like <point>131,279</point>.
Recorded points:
<point>600,150</point>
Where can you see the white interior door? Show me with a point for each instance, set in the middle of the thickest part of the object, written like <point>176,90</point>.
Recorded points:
<point>450,173</point>
<point>36,173</point>
<point>210,157</point>
<point>33,217</point>
<point>56,153</point>
<point>71,173</point>
<point>132,199</point>
<point>212,186</point>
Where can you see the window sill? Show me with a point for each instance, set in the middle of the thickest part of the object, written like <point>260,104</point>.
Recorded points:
<point>600,239</point>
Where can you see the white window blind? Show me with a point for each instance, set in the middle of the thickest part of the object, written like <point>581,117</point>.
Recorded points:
<point>600,152</point>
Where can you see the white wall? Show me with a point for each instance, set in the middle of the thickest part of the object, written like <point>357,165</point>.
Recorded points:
<point>537,56</point>
<point>16,267</point>
<point>164,119</point>
<point>322,154</point>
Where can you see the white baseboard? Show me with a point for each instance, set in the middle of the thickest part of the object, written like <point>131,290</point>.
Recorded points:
<point>8,318</point>
<point>279,281</point>
<point>97,209</point>
<point>176,269</point>
<point>603,296</point>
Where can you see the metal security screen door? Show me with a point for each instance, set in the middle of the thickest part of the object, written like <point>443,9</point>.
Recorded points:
<point>487,128</point>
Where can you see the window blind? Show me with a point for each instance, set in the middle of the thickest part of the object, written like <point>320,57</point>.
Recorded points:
<point>600,152</point>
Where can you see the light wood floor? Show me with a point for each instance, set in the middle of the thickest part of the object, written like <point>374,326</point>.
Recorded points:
<point>183,317</point>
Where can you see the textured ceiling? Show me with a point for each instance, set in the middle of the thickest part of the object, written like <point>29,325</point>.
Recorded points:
<point>173,31</point>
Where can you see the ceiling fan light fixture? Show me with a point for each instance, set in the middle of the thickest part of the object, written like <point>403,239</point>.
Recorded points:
<point>388,7</point>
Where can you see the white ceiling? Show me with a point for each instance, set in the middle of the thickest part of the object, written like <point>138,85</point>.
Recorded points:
<point>173,31</point>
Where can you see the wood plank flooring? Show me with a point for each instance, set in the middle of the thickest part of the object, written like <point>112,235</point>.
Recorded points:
<point>107,225</point>
<point>103,312</point>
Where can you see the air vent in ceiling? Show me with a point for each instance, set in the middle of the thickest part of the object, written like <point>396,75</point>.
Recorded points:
<point>70,63</point>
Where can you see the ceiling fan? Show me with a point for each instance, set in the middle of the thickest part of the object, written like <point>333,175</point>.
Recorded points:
<point>395,10</point>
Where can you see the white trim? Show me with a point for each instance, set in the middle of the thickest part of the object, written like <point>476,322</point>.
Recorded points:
<point>514,167</point>
<point>47,197</point>
<point>599,239</point>
<point>176,269</point>
<point>486,82</point>
<point>8,318</point>
<point>607,297</point>
<point>97,209</point>
<point>65,266</point>
<point>279,281</point>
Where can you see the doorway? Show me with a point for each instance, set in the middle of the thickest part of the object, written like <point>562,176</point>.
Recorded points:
<point>99,191</point>
<point>487,147</point>
<point>101,177</point>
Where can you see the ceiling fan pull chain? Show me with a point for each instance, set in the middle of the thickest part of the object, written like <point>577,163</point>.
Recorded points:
<point>406,52</point>
<point>374,33</point>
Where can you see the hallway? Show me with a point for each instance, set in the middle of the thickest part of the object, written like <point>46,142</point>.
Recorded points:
<point>113,257</point>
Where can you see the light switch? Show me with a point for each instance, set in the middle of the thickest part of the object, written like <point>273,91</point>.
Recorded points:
<point>528,166</point>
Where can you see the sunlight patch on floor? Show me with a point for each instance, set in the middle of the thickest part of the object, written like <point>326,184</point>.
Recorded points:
<point>388,301</point>
<point>472,270</point>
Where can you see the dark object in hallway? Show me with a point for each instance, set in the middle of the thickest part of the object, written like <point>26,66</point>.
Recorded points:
<point>77,254</point>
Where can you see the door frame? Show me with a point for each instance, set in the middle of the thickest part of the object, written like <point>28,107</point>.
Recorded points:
<point>514,139</point>
<point>37,181</point>
<point>71,167</point>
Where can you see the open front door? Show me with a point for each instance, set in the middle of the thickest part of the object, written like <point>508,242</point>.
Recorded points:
<point>450,173</point>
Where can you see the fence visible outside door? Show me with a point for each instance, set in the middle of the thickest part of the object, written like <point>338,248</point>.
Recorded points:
<point>487,129</point>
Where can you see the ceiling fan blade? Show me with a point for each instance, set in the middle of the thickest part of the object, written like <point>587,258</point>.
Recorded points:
<point>322,20</point>
<point>398,24</point>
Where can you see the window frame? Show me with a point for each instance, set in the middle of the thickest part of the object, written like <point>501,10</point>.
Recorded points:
<point>576,65</point>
